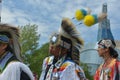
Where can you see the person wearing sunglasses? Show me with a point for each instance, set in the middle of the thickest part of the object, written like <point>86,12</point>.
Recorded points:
<point>110,68</point>
<point>11,66</point>
<point>64,49</point>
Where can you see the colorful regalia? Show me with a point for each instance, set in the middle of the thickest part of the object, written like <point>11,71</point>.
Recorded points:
<point>61,70</point>
<point>112,72</point>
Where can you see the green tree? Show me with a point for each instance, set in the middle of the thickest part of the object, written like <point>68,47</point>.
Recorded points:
<point>40,56</point>
<point>33,55</point>
<point>86,71</point>
<point>29,39</point>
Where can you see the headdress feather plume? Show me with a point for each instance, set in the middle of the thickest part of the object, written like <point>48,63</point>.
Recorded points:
<point>68,29</point>
<point>14,33</point>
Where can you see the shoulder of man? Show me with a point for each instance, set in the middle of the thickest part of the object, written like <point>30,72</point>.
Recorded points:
<point>18,67</point>
<point>66,64</point>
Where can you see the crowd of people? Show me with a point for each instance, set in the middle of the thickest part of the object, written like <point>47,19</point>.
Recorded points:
<point>64,60</point>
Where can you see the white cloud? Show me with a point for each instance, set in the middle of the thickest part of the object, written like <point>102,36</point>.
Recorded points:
<point>47,14</point>
<point>11,17</point>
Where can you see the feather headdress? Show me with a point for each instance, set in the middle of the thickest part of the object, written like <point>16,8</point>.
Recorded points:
<point>68,30</point>
<point>69,38</point>
<point>13,32</point>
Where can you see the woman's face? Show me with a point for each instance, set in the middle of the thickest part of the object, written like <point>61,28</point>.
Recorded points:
<point>101,51</point>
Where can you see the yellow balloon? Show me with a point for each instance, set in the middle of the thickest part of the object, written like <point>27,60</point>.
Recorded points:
<point>79,15</point>
<point>89,20</point>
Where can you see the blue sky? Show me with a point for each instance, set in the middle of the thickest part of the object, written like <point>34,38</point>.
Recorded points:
<point>47,14</point>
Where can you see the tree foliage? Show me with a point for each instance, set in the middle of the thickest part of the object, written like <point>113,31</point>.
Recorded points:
<point>33,55</point>
<point>41,54</point>
<point>86,70</point>
<point>29,40</point>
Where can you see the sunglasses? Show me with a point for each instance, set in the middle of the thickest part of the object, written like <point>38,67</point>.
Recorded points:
<point>4,39</point>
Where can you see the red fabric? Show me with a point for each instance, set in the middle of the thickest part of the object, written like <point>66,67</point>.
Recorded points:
<point>112,71</point>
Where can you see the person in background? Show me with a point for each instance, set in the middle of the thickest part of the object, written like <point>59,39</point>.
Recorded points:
<point>11,67</point>
<point>63,64</point>
<point>110,68</point>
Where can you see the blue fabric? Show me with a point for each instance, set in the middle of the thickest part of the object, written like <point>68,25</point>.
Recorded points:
<point>4,60</point>
<point>4,39</point>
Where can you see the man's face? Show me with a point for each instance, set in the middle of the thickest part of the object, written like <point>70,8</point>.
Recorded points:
<point>57,51</point>
<point>54,50</point>
<point>2,48</point>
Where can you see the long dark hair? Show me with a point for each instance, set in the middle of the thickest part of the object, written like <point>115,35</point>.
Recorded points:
<point>113,52</point>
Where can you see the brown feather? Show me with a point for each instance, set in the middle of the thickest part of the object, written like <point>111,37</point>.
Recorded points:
<point>14,33</point>
<point>70,29</point>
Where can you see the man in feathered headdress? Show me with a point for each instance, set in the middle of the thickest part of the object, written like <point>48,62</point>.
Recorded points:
<point>11,67</point>
<point>65,50</point>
